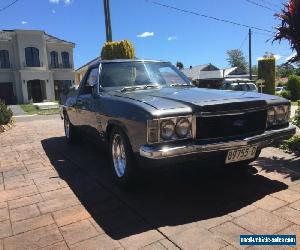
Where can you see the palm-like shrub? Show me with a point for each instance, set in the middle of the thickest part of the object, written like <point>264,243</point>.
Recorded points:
<point>118,50</point>
<point>5,114</point>
<point>289,28</point>
<point>266,71</point>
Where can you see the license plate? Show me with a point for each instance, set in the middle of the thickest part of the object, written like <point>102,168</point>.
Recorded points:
<point>240,154</point>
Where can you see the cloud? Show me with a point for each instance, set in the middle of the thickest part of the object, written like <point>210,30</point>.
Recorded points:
<point>53,11</point>
<point>171,38</point>
<point>290,57</point>
<point>67,2</point>
<point>277,57</point>
<point>146,34</point>
<point>24,22</point>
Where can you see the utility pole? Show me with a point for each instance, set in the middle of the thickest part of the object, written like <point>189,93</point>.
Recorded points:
<point>250,54</point>
<point>107,21</point>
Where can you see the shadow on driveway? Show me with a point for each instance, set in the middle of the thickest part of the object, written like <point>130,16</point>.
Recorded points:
<point>170,197</point>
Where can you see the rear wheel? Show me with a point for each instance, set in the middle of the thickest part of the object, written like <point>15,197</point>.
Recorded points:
<point>70,131</point>
<point>121,158</point>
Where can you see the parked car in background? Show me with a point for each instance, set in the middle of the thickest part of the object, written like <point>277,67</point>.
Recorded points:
<point>239,85</point>
<point>149,114</point>
<point>280,89</point>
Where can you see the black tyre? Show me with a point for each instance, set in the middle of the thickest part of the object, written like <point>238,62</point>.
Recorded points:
<point>71,132</point>
<point>122,161</point>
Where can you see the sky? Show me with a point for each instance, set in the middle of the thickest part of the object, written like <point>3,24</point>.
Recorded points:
<point>157,32</point>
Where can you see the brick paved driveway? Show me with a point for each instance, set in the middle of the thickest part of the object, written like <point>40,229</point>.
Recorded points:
<point>55,196</point>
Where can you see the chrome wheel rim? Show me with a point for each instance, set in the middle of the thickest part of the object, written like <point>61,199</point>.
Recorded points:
<point>118,155</point>
<point>67,127</point>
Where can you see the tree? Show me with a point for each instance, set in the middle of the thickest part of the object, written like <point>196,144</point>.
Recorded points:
<point>236,58</point>
<point>254,70</point>
<point>179,65</point>
<point>289,28</point>
<point>285,70</point>
<point>266,71</point>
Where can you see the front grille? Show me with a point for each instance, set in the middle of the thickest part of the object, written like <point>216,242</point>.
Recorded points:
<point>251,123</point>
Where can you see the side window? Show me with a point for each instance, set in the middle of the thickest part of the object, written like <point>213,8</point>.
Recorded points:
<point>90,82</point>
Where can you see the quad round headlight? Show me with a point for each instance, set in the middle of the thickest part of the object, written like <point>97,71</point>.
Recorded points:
<point>167,129</point>
<point>183,127</point>
<point>271,116</point>
<point>281,114</point>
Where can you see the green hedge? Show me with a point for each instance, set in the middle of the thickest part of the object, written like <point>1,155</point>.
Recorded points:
<point>266,71</point>
<point>5,114</point>
<point>294,87</point>
<point>118,50</point>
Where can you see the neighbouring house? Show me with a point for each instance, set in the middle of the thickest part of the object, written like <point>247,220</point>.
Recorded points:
<point>204,76</point>
<point>80,72</point>
<point>210,76</point>
<point>34,66</point>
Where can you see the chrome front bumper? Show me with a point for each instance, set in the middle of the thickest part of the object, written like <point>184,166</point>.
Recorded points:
<point>261,141</point>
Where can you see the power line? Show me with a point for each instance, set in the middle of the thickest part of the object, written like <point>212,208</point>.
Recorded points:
<point>271,4</point>
<point>9,5</point>
<point>207,16</point>
<point>261,6</point>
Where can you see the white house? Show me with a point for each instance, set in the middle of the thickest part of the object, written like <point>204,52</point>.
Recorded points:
<point>34,66</point>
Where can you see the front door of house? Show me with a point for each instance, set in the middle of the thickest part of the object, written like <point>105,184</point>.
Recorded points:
<point>35,91</point>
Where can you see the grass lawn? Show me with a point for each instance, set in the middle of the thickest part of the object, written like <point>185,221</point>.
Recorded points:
<point>32,110</point>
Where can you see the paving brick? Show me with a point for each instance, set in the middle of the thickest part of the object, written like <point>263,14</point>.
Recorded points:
<point>293,230</point>
<point>78,231</point>
<point>289,213</point>
<point>96,225</point>
<point>170,230</point>
<point>168,244</point>
<point>287,195</point>
<point>5,229</point>
<point>154,246</point>
<point>261,222</point>
<point>35,239</point>
<point>12,184</point>
<point>141,239</point>
<point>23,213</point>
<point>70,215</point>
<point>32,223</point>
<point>15,172</point>
<point>295,187</point>
<point>197,238</point>
<point>230,233</point>
<point>212,222</point>
<point>57,204</point>
<point>4,215</point>
<point>269,203</point>
<point>295,205</point>
<point>13,194</point>
<point>97,243</point>
<point>51,184</point>
<point>25,201</point>
<point>60,193</point>
<point>57,246</point>
<point>243,211</point>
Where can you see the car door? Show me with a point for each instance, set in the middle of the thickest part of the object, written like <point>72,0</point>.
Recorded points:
<point>85,107</point>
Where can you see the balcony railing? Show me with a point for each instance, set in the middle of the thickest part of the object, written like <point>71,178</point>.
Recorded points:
<point>61,66</point>
<point>37,65</point>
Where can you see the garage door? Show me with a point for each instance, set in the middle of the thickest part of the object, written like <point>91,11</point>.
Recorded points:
<point>6,92</point>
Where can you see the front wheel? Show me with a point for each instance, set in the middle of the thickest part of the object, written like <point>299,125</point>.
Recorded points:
<point>70,131</point>
<point>121,158</point>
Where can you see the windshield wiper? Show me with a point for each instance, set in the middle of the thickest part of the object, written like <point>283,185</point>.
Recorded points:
<point>180,85</point>
<point>133,88</point>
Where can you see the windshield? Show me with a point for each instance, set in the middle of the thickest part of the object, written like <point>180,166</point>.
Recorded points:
<point>127,74</point>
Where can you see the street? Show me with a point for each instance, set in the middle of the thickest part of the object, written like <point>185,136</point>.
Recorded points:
<point>57,196</point>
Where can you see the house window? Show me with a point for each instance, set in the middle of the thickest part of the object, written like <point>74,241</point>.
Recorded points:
<point>65,60</point>
<point>32,57</point>
<point>54,59</point>
<point>4,59</point>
